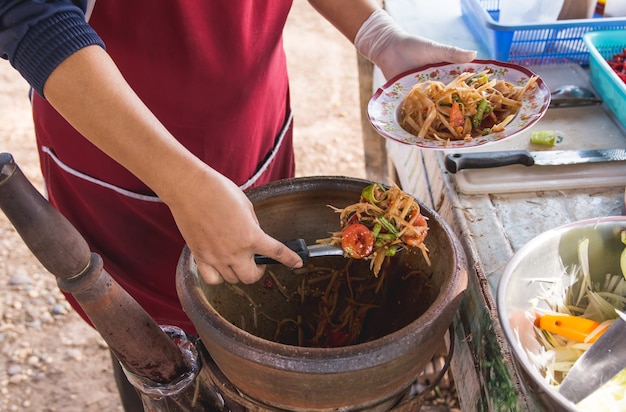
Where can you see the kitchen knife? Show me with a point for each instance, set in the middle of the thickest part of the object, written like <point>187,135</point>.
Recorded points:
<point>601,362</point>
<point>455,162</point>
<point>304,251</point>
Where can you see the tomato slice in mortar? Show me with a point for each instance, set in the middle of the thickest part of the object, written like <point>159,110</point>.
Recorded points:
<point>357,241</point>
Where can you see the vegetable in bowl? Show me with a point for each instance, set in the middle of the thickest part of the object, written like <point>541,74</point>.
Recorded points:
<point>570,315</point>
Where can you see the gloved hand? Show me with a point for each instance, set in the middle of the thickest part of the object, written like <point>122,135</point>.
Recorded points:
<point>394,51</point>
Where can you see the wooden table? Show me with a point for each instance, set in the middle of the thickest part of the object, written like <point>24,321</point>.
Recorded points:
<point>491,226</point>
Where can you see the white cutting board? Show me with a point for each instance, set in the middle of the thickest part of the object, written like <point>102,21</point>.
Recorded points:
<point>587,127</point>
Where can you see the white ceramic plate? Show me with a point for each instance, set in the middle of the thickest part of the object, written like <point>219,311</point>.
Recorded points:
<point>384,106</point>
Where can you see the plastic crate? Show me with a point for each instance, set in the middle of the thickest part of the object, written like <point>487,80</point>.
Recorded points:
<point>532,44</point>
<point>603,45</point>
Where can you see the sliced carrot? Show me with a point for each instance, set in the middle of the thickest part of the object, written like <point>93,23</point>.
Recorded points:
<point>573,327</point>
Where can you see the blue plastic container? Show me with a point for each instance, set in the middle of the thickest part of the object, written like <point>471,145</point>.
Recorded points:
<point>532,44</point>
<point>603,45</point>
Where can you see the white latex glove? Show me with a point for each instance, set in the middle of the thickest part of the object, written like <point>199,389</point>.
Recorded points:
<point>395,51</point>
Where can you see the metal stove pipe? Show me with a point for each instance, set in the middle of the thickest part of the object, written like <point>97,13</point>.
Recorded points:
<point>138,342</point>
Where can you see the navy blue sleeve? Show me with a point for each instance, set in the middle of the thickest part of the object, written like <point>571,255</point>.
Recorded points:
<point>37,35</point>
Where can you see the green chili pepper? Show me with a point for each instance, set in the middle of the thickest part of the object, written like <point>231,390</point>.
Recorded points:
<point>387,237</point>
<point>482,108</point>
<point>373,193</point>
<point>392,251</point>
<point>388,225</point>
<point>478,78</point>
<point>376,229</point>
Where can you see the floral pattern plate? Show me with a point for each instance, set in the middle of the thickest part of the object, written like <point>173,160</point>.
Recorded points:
<point>384,106</point>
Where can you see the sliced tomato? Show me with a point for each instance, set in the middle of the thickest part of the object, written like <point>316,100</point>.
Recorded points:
<point>357,241</point>
<point>415,240</point>
<point>420,221</point>
<point>456,116</point>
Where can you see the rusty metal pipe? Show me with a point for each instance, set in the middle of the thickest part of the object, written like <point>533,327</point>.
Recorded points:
<point>139,343</point>
<point>136,339</point>
<point>51,237</point>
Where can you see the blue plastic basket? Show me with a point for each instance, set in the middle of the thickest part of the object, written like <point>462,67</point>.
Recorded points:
<point>603,45</point>
<point>532,44</point>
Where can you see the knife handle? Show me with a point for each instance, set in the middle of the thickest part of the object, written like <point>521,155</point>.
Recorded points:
<point>455,162</point>
<point>297,245</point>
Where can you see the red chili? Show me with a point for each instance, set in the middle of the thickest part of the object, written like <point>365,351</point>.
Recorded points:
<point>617,64</point>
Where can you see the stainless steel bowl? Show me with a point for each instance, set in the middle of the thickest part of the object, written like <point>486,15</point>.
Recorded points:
<point>544,257</point>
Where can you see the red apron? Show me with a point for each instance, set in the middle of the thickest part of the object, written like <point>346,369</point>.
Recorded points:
<point>214,73</point>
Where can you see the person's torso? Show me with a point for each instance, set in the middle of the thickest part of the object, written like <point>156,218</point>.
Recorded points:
<point>213,72</point>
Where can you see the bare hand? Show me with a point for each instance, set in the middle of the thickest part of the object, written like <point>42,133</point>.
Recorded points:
<point>220,227</point>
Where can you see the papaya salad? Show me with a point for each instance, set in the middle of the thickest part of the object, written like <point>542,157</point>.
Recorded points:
<point>339,306</point>
<point>583,310</point>
<point>471,105</point>
<point>381,224</point>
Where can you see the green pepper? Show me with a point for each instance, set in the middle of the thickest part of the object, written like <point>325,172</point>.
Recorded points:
<point>388,226</point>
<point>392,251</point>
<point>387,237</point>
<point>483,107</point>
<point>373,193</point>
<point>478,78</point>
<point>376,229</point>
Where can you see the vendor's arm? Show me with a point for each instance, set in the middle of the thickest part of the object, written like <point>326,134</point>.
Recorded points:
<point>213,214</point>
<point>377,37</point>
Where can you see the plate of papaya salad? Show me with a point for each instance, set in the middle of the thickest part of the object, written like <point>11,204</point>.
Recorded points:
<point>382,223</point>
<point>454,106</point>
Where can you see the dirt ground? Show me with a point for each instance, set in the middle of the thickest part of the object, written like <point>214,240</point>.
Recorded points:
<point>50,360</point>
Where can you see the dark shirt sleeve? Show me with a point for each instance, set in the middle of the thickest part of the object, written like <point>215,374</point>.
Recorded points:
<point>37,35</point>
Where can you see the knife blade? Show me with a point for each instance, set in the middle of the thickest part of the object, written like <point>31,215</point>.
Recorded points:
<point>304,251</point>
<point>601,362</point>
<point>455,162</point>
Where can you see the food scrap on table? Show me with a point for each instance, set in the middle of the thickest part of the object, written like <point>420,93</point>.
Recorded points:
<point>544,137</point>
